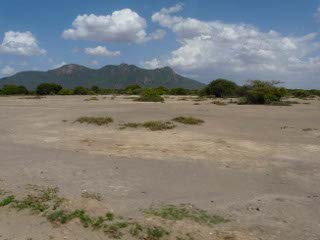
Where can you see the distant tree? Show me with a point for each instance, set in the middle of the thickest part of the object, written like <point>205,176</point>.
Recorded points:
<point>264,92</point>
<point>300,93</point>
<point>12,89</point>
<point>80,91</point>
<point>179,91</point>
<point>65,91</point>
<point>221,88</point>
<point>133,89</point>
<point>96,89</point>
<point>150,95</point>
<point>162,90</point>
<point>48,89</point>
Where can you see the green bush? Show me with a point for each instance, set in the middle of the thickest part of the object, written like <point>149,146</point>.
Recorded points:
<point>162,90</point>
<point>179,91</point>
<point>263,92</point>
<point>48,89</point>
<point>65,91</point>
<point>81,91</point>
<point>133,89</point>
<point>300,93</point>
<point>12,89</point>
<point>150,95</point>
<point>220,88</point>
<point>96,89</point>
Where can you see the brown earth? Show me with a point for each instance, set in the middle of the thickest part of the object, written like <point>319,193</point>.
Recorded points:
<point>255,165</point>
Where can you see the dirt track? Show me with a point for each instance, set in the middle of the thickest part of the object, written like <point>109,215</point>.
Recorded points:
<point>253,164</point>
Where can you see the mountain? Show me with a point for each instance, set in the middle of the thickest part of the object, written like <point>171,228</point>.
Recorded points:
<point>111,76</point>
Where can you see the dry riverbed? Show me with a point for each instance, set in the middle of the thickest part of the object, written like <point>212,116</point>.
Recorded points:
<point>257,167</point>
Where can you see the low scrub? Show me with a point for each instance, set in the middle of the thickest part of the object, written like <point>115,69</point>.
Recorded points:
<point>151,125</point>
<point>263,92</point>
<point>188,120</point>
<point>181,212</point>
<point>99,121</point>
<point>150,95</point>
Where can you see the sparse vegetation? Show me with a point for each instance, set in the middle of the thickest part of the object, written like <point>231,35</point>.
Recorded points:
<point>99,121</point>
<point>150,95</point>
<point>43,201</point>
<point>8,200</point>
<point>92,99</point>
<point>91,195</point>
<point>172,212</point>
<point>218,103</point>
<point>188,120</point>
<point>152,125</point>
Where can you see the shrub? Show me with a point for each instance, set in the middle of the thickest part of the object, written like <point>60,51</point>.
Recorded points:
<point>221,88</point>
<point>12,89</point>
<point>95,120</point>
<point>96,89</point>
<point>150,95</point>
<point>133,89</point>
<point>80,91</point>
<point>179,91</point>
<point>48,89</point>
<point>188,120</point>
<point>300,93</point>
<point>263,92</point>
<point>152,125</point>
<point>158,125</point>
<point>65,91</point>
<point>162,90</point>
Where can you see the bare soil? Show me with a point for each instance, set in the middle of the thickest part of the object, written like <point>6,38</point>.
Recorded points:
<point>254,165</point>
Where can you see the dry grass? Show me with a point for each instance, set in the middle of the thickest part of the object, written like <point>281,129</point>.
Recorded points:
<point>218,103</point>
<point>92,99</point>
<point>99,121</point>
<point>151,125</point>
<point>188,120</point>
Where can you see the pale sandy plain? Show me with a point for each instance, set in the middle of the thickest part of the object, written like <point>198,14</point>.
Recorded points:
<point>258,166</point>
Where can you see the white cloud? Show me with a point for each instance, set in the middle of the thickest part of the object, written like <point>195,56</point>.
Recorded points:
<point>101,51</point>
<point>153,64</point>
<point>60,65</point>
<point>218,49</point>
<point>121,26</point>
<point>20,43</point>
<point>8,71</point>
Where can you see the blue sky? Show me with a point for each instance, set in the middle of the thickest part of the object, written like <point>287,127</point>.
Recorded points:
<point>202,39</point>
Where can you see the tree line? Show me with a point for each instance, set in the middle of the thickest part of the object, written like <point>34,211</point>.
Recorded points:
<point>253,92</point>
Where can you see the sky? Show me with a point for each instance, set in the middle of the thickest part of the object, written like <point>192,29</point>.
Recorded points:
<point>200,39</point>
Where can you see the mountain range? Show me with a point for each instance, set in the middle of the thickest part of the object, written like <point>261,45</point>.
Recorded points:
<point>110,76</point>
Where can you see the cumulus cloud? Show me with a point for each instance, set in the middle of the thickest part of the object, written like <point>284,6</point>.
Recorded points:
<point>101,51</point>
<point>218,49</point>
<point>8,71</point>
<point>60,64</point>
<point>20,43</point>
<point>153,64</point>
<point>121,26</point>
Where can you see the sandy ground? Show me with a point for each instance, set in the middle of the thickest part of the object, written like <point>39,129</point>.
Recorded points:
<point>256,165</point>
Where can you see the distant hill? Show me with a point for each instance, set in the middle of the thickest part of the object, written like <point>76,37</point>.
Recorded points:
<point>111,76</point>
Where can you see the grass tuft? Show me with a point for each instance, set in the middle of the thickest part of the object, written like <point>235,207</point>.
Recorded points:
<point>99,121</point>
<point>172,212</point>
<point>8,200</point>
<point>188,120</point>
<point>151,125</point>
<point>159,125</point>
